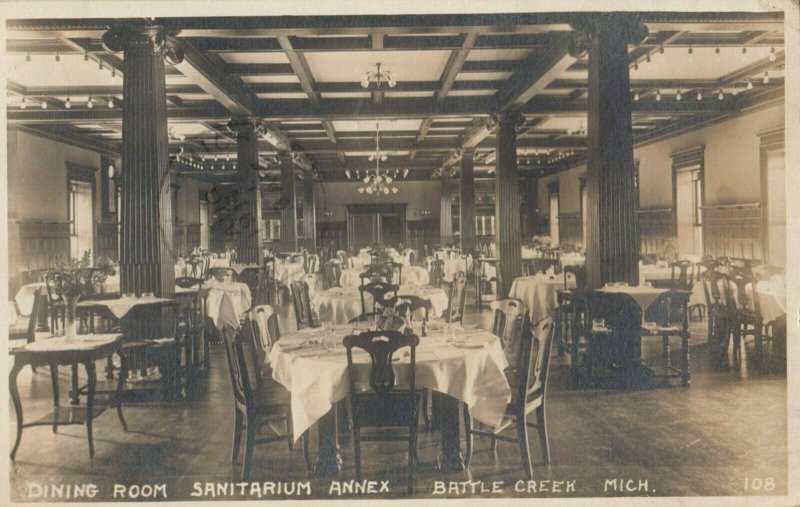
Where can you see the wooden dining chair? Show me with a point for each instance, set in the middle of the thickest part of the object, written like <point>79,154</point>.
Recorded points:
<point>222,274</point>
<point>668,317</point>
<point>571,311</point>
<point>301,301</point>
<point>191,323</point>
<point>617,344</point>
<point>379,272</point>
<point>436,273</point>
<point>508,321</point>
<point>264,332</point>
<point>332,272</point>
<point>457,298</point>
<point>718,314</point>
<point>259,280</point>
<point>56,305</point>
<point>747,319</point>
<point>484,281</point>
<point>24,328</point>
<point>527,396</point>
<point>383,295</point>
<point>256,408</point>
<point>385,404</point>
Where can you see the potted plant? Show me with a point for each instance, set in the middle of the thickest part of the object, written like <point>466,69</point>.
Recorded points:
<point>74,279</point>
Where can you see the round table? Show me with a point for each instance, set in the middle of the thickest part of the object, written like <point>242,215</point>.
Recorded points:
<point>351,277</point>
<point>227,302</point>
<point>340,305</point>
<point>650,272</point>
<point>539,293</point>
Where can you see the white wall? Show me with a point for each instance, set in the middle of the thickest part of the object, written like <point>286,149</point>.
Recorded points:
<point>732,164</point>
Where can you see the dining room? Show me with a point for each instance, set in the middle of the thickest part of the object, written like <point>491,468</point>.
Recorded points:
<point>356,256</point>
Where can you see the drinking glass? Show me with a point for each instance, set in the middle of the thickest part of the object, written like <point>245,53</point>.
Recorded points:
<point>598,324</point>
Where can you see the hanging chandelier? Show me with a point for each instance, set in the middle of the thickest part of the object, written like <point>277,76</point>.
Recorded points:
<point>379,182</point>
<point>378,77</point>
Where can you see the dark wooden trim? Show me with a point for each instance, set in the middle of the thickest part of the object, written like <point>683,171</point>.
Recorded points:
<point>681,161</point>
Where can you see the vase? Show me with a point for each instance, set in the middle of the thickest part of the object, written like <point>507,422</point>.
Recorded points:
<point>71,325</point>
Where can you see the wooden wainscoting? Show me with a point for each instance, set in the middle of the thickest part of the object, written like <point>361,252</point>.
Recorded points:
<point>421,233</point>
<point>332,237</point>
<point>570,229</point>
<point>34,245</point>
<point>107,240</point>
<point>656,230</point>
<point>733,230</point>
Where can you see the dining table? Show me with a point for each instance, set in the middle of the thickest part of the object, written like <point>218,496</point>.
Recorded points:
<point>228,310</point>
<point>84,349</point>
<point>463,366</point>
<point>539,293</point>
<point>287,271</point>
<point>340,305</point>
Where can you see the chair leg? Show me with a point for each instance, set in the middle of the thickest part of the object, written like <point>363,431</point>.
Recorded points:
<point>493,444</point>
<point>306,456</point>
<point>665,350</point>
<point>524,446</point>
<point>237,436</point>
<point>544,443</point>
<point>248,449</point>
<point>357,451</point>
<point>412,456</point>
<point>425,415</point>
<point>468,435</point>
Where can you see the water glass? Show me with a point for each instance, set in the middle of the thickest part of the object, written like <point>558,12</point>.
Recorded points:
<point>598,324</point>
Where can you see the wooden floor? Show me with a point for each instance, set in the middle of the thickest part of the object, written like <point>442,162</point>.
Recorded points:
<point>728,428</point>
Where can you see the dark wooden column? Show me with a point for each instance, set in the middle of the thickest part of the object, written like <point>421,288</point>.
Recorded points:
<point>446,210</point>
<point>309,214</point>
<point>248,242</point>
<point>467,205</point>
<point>506,210</point>
<point>613,238</point>
<point>146,253</point>
<point>288,203</point>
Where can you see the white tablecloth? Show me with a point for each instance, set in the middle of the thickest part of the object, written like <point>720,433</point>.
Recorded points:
<point>415,276</point>
<point>317,377</point>
<point>238,268</point>
<point>649,272</point>
<point>539,293</point>
<point>221,262</point>
<point>24,297</point>
<point>772,299</point>
<point>644,296</point>
<point>121,306</point>
<point>227,302</point>
<point>452,266</point>
<point>288,272</point>
<point>572,259</point>
<point>339,305</point>
<point>350,277</point>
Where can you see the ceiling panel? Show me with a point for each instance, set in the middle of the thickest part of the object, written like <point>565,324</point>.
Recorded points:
<point>703,63</point>
<point>43,70</point>
<point>348,67</point>
<point>282,78</point>
<point>498,54</point>
<point>369,125</point>
<point>482,76</point>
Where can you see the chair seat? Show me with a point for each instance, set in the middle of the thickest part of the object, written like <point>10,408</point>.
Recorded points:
<point>18,329</point>
<point>391,409</point>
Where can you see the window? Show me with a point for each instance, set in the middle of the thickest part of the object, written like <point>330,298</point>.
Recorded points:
<point>687,178</point>
<point>552,192</point>
<point>584,211</point>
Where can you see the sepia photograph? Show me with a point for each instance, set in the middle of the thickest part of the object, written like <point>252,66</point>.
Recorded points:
<point>423,251</point>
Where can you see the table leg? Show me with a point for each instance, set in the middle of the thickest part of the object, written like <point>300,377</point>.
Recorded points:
<point>123,373</point>
<point>686,376</point>
<point>56,403</point>
<point>74,395</point>
<point>329,461</point>
<point>12,384</point>
<point>92,379</point>
<point>450,458</point>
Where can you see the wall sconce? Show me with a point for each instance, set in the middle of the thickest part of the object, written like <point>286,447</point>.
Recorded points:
<point>327,214</point>
<point>424,213</point>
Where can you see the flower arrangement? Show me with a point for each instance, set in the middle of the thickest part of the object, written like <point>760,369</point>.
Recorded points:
<point>73,279</point>
<point>394,318</point>
<point>76,278</point>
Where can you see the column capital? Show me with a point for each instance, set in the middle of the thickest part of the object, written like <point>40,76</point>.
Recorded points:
<point>143,36</point>
<point>243,125</point>
<point>587,29</point>
<point>467,153</point>
<point>508,117</point>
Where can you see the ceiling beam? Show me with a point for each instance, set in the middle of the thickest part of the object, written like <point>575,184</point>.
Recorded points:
<point>300,68</point>
<point>71,136</point>
<point>537,71</point>
<point>206,72</point>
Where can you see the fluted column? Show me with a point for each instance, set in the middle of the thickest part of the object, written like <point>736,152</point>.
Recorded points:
<point>613,238</point>
<point>446,211</point>
<point>248,242</point>
<point>467,205</point>
<point>146,253</point>
<point>506,210</point>
<point>288,203</point>
<point>309,214</point>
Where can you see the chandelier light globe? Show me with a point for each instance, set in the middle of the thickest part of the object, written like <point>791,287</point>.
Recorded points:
<point>360,190</point>
<point>366,179</point>
<point>405,173</point>
<point>388,179</point>
<point>394,190</point>
<point>378,77</point>
<point>386,190</point>
<point>347,172</point>
<point>370,190</point>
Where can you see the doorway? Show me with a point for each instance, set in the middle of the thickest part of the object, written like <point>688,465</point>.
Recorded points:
<point>376,223</point>
<point>553,206</point>
<point>689,202</point>
<point>205,229</point>
<point>81,219</point>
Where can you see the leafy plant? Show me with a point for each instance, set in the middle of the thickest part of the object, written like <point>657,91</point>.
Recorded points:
<point>76,278</point>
